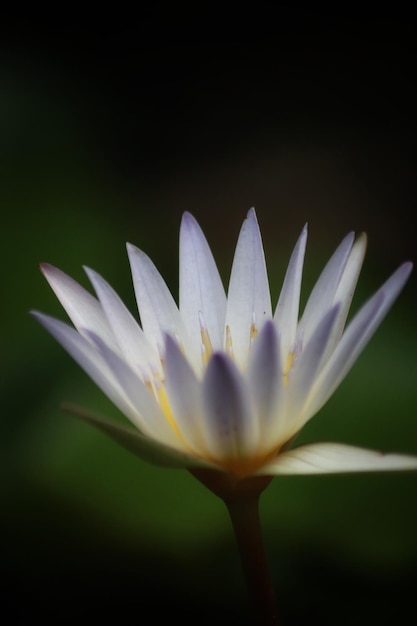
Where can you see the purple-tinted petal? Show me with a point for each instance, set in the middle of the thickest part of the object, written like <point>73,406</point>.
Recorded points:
<point>229,428</point>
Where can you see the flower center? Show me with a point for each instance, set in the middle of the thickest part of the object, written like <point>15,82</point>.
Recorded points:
<point>240,464</point>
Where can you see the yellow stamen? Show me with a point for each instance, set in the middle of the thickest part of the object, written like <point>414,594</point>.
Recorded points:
<point>164,404</point>
<point>253,332</point>
<point>206,347</point>
<point>288,366</point>
<point>149,385</point>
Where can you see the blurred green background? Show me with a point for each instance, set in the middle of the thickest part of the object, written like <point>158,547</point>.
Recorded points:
<point>107,135</point>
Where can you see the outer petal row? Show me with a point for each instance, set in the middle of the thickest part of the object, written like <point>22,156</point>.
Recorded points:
<point>114,377</point>
<point>335,458</point>
<point>355,338</point>
<point>147,449</point>
<point>133,343</point>
<point>82,308</point>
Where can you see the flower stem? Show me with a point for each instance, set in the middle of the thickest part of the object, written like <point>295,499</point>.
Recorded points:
<point>241,497</point>
<point>244,514</point>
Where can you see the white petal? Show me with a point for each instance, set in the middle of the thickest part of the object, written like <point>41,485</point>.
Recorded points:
<point>265,381</point>
<point>335,458</point>
<point>355,338</point>
<point>322,296</point>
<point>229,426</point>
<point>308,363</point>
<point>348,280</point>
<point>147,449</point>
<point>82,308</point>
<point>150,418</point>
<point>345,290</point>
<point>91,361</point>
<point>132,341</point>
<point>184,395</point>
<point>157,309</point>
<point>248,297</point>
<point>201,289</point>
<point>286,313</point>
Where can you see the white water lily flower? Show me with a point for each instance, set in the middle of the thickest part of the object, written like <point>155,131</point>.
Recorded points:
<point>226,382</point>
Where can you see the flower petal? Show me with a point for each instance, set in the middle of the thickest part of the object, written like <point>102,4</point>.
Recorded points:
<point>249,298</point>
<point>355,338</point>
<point>286,313</point>
<point>201,289</point>
<point>345,290</point>
<point>82,308</point>
<point>322,296</point>
<point>308,363</point>
<point>266,385</point>
<point>150,418</point>
<point>91,361</point>
<point>335,458</point>
<point>349,278</point>
<point>229,426</point>
<point>132,341</point>
<point>147,449</point>
<point>184,395</point>
<point>157,309</point>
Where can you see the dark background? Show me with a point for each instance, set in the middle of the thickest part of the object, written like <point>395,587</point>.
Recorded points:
<point>110,127</point>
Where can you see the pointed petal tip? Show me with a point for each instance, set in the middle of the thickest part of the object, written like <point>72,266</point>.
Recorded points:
<point>304,233</point>
<point>407,267</point>
<point>350,236</point>
<point>403,272</point>
<point>89,271</point>
<point>187,217</point>
<point>188,222</point>
<point>131,247</point>
<point>133,250</point>
<point>35,314</point>
<point>169,341</point>
<point>270,330</point>
<point>398,278</point>
<point>42,318</point>
<point>219,359</point>
<point>361,242</point>
<point>47,268</point>
<point>93,276</point>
